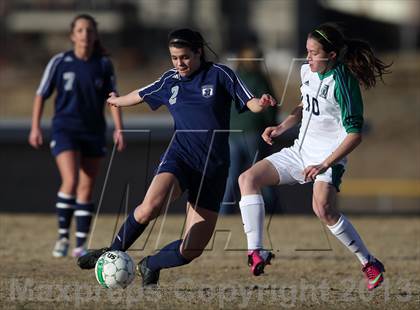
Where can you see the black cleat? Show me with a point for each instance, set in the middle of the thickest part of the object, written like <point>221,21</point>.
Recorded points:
<point>149,276</point>
<point>88,261</point>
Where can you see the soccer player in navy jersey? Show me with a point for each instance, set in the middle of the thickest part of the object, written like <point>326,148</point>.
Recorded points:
<point>83,77</point>
<point>198,95</point>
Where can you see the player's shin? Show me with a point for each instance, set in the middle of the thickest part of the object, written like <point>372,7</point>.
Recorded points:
<point>83,214</point>
<point>253,213</point>
<point>347,234</point>
<point>128,234</point>
<point>65,208</point>
<point>169,256</point>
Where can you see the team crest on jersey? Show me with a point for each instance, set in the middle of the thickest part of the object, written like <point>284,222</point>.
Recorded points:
<point>207,91</point>
<point>324,91</point>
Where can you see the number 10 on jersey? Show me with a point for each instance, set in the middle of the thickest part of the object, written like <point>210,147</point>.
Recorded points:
<point>315,106</point>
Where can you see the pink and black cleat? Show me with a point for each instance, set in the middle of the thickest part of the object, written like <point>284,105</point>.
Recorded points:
<point>258,259</point>
<point>373,271</point>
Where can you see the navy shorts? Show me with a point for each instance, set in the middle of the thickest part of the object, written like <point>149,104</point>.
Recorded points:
<point>212,190</point>
<point>88,144</point>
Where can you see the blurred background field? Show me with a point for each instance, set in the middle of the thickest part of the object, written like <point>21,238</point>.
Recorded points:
<point>384,172</point>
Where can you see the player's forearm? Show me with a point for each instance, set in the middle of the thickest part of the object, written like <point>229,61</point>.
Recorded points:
<point>350,142</point>
<point>116,117</point>
<point>37,109</point>
<point>294,118</point>
<point>130,99</point>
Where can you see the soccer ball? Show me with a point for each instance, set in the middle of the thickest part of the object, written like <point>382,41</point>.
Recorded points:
<point>114,269</point>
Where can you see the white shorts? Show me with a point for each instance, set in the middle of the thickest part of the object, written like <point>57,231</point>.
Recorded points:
<point>290,166</point>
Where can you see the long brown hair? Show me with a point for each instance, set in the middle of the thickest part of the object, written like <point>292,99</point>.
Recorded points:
<point>98,49</point>
<point>356,54</point>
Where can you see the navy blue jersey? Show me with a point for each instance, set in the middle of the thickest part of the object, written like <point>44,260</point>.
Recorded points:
<point>82,89</point>
<point>200,107</point>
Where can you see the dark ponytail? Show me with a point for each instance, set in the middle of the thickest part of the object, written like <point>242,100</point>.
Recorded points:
<point>98,49</point>
<point>362,62</point>
<point>357,55</point>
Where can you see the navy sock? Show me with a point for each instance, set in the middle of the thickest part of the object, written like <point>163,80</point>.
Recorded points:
<point>128,234</point>
<point>83,216</point>
<point>65,208</point>
<point>167,257</point>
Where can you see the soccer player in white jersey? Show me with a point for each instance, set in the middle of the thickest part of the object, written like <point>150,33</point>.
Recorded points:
<point>331,116</point>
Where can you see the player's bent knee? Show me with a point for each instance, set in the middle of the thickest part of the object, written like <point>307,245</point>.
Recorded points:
<point>247,180</point>
<point>143,216</point>
<point>144,213</point>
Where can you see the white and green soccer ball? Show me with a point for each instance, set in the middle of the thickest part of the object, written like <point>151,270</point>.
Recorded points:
<point>115,269</point>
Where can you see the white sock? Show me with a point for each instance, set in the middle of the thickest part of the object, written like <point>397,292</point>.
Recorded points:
<point>253,213</point>
<point>347,234</point>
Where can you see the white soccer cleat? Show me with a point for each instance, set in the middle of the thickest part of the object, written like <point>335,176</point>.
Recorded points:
<point>61,247</point>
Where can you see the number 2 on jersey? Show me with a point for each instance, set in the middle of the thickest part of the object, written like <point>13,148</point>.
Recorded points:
<point>315,106</point>
<point>174,91</point>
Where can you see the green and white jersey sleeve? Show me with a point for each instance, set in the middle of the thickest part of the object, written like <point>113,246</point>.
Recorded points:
<point>348,96</point>
<point>332,107</point>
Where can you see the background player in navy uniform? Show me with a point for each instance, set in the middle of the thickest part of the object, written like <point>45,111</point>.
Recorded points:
<point>244,145</point>
<point>198,94</point>
<point>83,78</point>
<point>331,113</point>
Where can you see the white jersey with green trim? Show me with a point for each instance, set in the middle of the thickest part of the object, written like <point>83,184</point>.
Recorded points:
<point>332,108</point>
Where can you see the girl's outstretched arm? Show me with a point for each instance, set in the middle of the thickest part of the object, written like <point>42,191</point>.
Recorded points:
<point>130,99</point>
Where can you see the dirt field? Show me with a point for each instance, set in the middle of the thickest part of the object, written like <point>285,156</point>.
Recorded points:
<point>311,269</point>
